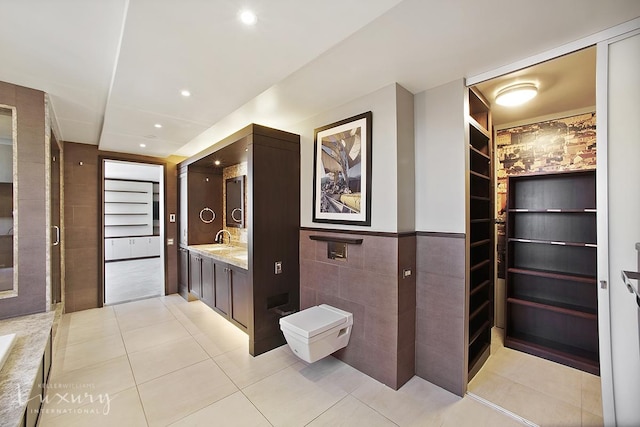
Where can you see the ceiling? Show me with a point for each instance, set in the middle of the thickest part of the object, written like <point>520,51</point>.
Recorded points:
<point>567,83</point>
<point>115,68</point>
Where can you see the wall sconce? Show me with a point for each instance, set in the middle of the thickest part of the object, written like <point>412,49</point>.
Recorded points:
<point>516,94</point>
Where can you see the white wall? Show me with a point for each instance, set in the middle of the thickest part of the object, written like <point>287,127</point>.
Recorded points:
<point>624,223</point>
<point>440,153</point>
<point>384,182</point>
<point>406,160</point>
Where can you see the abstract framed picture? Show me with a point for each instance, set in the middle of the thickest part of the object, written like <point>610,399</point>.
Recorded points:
<point>342,172</point>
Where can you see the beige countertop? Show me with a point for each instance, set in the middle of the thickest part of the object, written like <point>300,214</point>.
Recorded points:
<point>234,255</point>
<point>19,372</point>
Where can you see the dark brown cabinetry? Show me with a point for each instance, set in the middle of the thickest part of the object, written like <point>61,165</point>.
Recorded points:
<point>208,281</point>
<point>232,293</point>
<point>240,296</point>
<point>222,295</point>
<point>551,275</point>
<point>480,233</point>
<point>195,274</point>
<point>272,216</point>
<point>183,278</point>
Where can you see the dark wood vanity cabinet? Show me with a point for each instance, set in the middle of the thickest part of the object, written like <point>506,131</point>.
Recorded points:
<point>240,295</point>
<point>183,283</point>
<point>232,293</point>
<point>222,294</point>
<point>195,274</point>
<point>272,216</point>
<point>208,281</point>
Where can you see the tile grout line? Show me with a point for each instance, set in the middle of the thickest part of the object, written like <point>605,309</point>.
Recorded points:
<point>502,410</point>
<point>372,408</point>
<point>126,351</point>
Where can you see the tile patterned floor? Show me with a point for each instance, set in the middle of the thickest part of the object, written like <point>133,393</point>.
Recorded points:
<point>544,392</point>
<point>164,361</point>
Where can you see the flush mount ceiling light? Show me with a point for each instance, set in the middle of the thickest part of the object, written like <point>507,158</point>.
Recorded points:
<point>143,145</point>
<point>217,163</point>
<point>185,93</point>
<point>516,94</point>
<point>157,126</point>
<point>248,17</point>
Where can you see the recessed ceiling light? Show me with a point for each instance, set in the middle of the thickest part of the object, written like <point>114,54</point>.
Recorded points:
<point>248,17</point>
<point>157,125</point>
<point>516,94</point>
<point>185,93</point>
<point>143,145</point>
<point>217,163</point>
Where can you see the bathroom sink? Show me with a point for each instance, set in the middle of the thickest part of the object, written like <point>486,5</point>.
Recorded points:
<point>6,344</point>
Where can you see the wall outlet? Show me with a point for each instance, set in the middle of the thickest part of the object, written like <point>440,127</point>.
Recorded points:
<point>406,273</point>
<point>169,242</point>
<point>278,267</point>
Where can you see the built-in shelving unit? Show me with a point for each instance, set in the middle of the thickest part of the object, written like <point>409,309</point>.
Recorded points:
<point>128,208</point>
<point>551,268</point>
<point>480,235</point>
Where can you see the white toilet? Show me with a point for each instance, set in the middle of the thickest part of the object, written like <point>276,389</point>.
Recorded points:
<point>317,332</point>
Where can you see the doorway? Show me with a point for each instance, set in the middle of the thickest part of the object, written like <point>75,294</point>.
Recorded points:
<point>550,137</point>
<point>133,232</point>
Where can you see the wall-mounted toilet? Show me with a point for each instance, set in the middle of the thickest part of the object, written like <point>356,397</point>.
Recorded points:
<point>317,332</point>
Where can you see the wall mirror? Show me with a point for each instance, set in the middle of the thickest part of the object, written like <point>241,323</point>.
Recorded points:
<point>234,201</point>
<point>8,286</point>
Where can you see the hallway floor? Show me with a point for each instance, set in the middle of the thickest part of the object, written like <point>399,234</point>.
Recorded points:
<point>133,279</point>
<point>164,361</point>
<point>544,392</point>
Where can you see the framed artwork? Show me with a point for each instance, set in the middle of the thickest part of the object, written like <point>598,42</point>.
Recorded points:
<point>342,172</point>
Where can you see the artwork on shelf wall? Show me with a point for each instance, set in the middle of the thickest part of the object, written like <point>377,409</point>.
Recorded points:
<point>342,172</point>
<point>562,144</point>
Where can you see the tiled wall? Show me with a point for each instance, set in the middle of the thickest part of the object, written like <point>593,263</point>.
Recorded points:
<point>440,310</point>
<point>369,285</point>
<point>81,224</point>
<point>32,212</point>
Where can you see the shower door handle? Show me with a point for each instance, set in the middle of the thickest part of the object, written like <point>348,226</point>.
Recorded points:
<point>57,242</point>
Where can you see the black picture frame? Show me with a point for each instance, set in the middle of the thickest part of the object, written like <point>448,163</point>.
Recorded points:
<point>342,171</point>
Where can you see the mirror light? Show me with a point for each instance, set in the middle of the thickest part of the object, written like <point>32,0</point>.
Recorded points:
<point>517,94</point>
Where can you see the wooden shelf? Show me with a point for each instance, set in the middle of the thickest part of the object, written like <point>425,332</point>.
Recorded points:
<point>479,175</point>
<point>516,210</point>
<point>126,191</point>
<point>567,355</point>
<point>550,242</point>
<point>551,280</point>
<point>475,150</point>
<point>128,203</point>
<point>473,122</point>
<point>480,233</point>
<point>480,287</point>
<point>554,275</point>
<point>478,310</point>
<point>570,310</point>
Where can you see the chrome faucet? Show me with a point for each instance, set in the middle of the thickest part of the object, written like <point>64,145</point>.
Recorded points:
<point>220,236</point>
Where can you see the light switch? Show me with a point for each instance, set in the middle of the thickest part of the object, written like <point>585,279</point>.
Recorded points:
<point>172,217</point>
<point>169,242</point>
<point>406,273</point>
<point>278,267</point>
